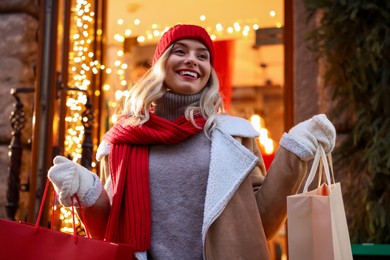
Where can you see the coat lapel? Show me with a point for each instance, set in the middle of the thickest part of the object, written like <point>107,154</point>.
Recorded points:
<point>230,164</point>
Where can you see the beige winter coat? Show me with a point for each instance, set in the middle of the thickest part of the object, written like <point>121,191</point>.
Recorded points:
<point>257,209</point>
<point>244,205</point>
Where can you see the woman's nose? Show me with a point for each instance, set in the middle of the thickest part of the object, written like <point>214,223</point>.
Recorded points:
<point>191,60</point>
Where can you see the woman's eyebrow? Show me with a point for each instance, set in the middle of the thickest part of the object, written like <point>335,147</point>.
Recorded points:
<point>185,45</point>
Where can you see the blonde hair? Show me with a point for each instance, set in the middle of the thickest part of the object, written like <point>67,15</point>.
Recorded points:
<point>136,106</point>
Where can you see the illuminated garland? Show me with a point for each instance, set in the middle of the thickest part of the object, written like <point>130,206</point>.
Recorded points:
<point>82,66</point>
<point>219,30</point>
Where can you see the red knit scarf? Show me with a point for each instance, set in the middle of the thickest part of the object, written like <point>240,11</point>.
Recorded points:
<point>130,215</point>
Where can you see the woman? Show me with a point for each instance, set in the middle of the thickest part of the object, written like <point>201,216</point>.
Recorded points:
<point>182,180</point>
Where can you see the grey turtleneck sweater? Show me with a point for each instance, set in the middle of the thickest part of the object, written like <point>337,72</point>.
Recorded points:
<point>178,179</point>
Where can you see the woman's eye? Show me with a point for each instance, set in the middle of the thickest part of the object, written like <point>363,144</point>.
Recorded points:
<point>179,51</point>
<point>203,56</point>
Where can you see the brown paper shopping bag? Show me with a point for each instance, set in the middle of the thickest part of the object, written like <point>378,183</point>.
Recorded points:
<point>317,226</point>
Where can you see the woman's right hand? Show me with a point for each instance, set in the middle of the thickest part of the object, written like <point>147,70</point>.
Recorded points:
<point>70,178</point>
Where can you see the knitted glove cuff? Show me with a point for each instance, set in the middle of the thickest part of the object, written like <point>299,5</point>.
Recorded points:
<point>103,150</point>
<point>291,144</point>
<point>92,194</point>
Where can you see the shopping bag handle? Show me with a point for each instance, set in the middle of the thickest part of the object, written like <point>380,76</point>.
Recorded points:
<point>42,205</point>
<point>81,215</point>
<point>326,164</point>
<point>74,197</point>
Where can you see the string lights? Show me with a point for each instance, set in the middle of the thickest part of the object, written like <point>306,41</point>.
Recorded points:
<point>217,31</point>
<point>82,65</point>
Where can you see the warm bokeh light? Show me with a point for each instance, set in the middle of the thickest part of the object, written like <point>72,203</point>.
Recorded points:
<point>82,66</point>
<point>265,142</point>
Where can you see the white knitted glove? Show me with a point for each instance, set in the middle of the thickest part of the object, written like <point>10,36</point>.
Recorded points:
<point>70,178</point>
<point>303,138</point>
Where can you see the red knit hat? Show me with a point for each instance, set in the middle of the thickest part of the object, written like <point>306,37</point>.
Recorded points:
<point>184,31</point>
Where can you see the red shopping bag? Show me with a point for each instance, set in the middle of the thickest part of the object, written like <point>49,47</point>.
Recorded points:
<point>316,221</point>
<point>26,241</point>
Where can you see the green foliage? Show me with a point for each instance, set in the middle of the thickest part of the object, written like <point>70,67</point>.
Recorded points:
<point>353,37</point>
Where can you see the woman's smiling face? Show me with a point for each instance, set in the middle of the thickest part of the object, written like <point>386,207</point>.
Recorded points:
<point>188,67</point>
